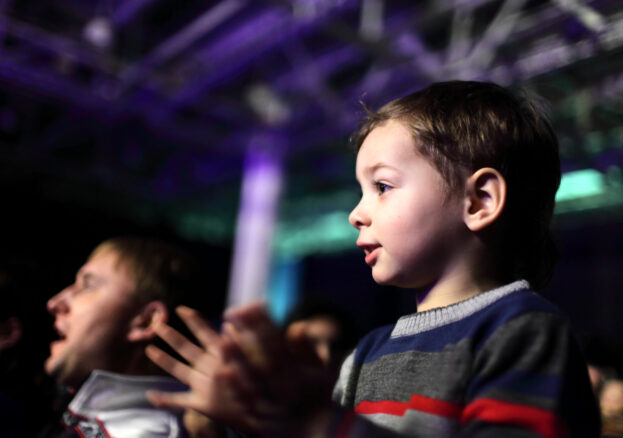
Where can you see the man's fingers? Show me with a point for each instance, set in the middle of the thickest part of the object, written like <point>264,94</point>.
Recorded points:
<point>198,326</point>
<point>256,329</point>
<point>170,400</point>
<point>179,343</point>
<point>248,315</point>
<point>242,346</point>
<point>177,369</point>
<point>239,374</point>
<point>300,344</point>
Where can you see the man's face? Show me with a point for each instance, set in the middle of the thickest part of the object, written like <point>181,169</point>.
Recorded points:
<point>92,318</point>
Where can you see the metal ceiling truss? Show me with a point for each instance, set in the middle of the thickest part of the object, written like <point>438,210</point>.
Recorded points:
<point>203,80</point>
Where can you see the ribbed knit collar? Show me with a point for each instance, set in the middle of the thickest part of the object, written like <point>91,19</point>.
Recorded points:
<point>423,321</point>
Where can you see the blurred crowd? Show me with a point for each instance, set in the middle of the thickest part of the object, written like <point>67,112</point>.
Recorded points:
<point>32,399</point>
<point>89,346</point>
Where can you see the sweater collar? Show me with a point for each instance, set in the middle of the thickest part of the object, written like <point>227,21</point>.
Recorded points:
<point>424,321</point>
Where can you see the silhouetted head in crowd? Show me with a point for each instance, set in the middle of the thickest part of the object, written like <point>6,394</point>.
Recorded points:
<point>105,318</point>
<point>611,406</point>
<point>10,314</point>
<point>329,329</point>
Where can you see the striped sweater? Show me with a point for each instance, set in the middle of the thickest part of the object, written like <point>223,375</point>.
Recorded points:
<point>501,364</point>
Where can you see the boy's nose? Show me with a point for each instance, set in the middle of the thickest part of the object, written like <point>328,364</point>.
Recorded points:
<point>357,217</point>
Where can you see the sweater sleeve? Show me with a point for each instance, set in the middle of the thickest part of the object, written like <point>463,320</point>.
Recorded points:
<point>530,380</point>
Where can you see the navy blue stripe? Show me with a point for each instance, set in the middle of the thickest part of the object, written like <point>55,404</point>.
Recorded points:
<point>519,382</point>
<point>478,327</point>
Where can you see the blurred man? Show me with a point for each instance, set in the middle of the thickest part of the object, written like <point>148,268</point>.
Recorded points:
<point>327,327</point>
<point>611,404</point>
<point>104,321</point>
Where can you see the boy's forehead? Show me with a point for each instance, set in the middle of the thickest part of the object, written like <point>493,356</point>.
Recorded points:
<point>385,145</point>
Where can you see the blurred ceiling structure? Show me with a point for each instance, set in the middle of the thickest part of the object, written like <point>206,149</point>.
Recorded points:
<point>151,107</point>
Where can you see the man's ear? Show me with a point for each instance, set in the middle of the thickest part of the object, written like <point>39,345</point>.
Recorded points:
<point>142,325</point>
<point>485,198</point>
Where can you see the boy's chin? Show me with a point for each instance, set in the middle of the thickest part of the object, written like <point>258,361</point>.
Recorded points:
<point>381,278</point>
<point>392,279</point>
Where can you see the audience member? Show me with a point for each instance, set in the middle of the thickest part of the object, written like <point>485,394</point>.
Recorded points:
<point>104,321</point>
<point>596,377</point>
<point>11,331</point>
<point>24,388</point>
<point>327,327</point>
<point>458,183</point>
<point>611,404</point>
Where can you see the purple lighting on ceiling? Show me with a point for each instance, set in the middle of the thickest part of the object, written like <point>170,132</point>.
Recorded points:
<point>182,40</point>
<point>241,47</point>
<point>128,10</point>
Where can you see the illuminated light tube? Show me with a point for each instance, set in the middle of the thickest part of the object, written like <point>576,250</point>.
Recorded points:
<point>581,184</point>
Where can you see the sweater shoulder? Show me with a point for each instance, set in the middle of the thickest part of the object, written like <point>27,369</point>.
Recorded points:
<point>434,330</point>
<point>371,342</point>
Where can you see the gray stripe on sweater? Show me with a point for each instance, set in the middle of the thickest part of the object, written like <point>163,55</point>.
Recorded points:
<point>434,318</point>
<point>415,423</point>
<point>441,374</point>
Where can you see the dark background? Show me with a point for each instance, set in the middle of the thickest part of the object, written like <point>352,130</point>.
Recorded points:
<point>147,132</point>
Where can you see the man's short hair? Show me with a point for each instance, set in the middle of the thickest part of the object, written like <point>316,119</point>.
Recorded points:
<point>160,271</point>
<point>462,126</point>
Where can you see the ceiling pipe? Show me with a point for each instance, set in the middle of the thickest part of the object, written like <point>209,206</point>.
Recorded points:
<point>128,11</point>
<point>179,42</point>
<point>249,42</point>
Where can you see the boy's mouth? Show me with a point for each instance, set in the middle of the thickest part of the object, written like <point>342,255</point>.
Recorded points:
<point>372,254</point>
<point>371,250</point>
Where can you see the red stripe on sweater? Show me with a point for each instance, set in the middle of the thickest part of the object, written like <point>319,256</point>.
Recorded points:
<point>543,422</point>
<point>416,403</point>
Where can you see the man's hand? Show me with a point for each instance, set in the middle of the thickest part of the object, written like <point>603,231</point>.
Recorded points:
<point>249,376</point>
<point>205,373</point>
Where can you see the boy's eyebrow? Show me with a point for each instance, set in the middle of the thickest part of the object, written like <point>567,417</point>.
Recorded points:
<point>374,168</point>
<point>380,165</point>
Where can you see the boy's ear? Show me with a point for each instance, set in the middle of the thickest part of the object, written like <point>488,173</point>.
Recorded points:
<point>485,198</point>
<point>142,325</point>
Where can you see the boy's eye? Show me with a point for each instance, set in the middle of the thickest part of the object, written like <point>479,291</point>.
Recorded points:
<point>382,187</point>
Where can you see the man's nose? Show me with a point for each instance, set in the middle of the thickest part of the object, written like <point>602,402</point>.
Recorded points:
<point>60,302</point>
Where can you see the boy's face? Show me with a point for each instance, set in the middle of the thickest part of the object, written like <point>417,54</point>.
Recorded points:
<point>92,317</point>
<point>409,231</point>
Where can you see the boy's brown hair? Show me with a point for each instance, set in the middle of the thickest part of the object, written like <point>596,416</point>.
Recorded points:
<point>463,126</point>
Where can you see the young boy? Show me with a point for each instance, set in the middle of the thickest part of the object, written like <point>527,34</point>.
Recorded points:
<point>458,183</point>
